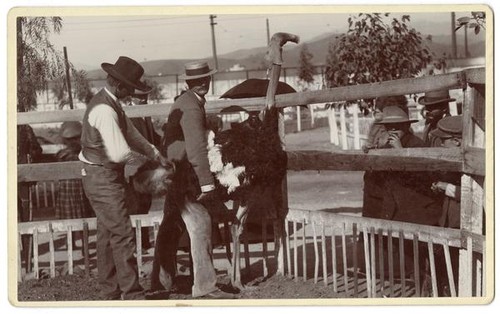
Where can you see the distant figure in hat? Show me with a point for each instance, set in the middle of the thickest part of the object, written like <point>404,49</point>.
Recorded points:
<point>109,140</point>
<point>395,133</point>
<point>185,144</point>
<point>377,135</point>
<point>71,200</point>
<point>436,107</point>
<point>449,131</point>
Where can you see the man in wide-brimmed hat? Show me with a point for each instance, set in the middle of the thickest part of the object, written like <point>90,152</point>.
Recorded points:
<point>185,143</point>
<point>109,140</point>
<point>436,107</point>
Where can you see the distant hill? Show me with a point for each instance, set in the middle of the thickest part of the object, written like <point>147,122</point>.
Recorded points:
<point>254,58</point>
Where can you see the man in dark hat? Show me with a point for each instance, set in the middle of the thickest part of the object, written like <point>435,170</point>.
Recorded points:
<point>185,143</point>
<point>110,140</point>
<point>435,108</point>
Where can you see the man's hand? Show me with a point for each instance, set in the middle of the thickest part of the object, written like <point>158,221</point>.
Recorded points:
<point>395,141</point>
<point>207,197</point>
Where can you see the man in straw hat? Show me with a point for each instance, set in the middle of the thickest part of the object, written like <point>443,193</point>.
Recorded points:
<point>109,140</point>
<point>185,144</point>
<point>435,108</point>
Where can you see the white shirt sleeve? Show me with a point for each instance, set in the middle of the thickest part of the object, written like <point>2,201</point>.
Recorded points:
<point>105,120</point>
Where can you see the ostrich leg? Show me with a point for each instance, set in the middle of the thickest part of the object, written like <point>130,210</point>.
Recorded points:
<point>236,231</point>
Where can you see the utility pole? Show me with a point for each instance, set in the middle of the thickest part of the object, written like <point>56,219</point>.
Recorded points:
<point>267,27</point>
<point>212,24</point>
<point>453,37</point>
<point>466,43</point>
<point>68,79</point>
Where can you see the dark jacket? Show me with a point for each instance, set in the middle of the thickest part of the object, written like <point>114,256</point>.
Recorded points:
<point>185,143</point>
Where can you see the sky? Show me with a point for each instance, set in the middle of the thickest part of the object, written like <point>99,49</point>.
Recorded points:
<point>188,36</point>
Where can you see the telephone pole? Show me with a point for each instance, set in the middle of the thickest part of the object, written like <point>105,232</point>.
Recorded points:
<point>267,27</point>
<point>68,79</point>
<point>214,49</point>
<point>453,37</point>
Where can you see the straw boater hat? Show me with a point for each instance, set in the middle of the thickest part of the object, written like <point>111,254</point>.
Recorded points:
<point>394,114</point>
<point>435,97</point>
<point>127,71</point>
<point>195,70</point>
<point>449,127</point>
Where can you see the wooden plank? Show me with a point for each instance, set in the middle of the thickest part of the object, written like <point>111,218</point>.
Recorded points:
<point>147,220</point>
<point>19,259</point>
<point>373,261</point>
<point>69,246</point>
<point>316,254</point>
<point>416,265</point>
<point>52,252</point>
<point>364,91</point>
<point>334,260</point>
<point>295,253</point>
<point>476,76</point>
<point>85,243</point>
<point>304,250</point>
<point>288,248</point>
<point>449,270</point>
<point>366,246</point>
<point>36,268</point>
<point>432,265</point>
<point>405,159</point>
<point>381,261</point>
<point>402,263</point>
<point>355,259</point>
<point>474,161</point>
<point>323,255</point>
<point>390,262</point>
<point>343,128</point>
<point>344,259</point>
<point>355,123</point>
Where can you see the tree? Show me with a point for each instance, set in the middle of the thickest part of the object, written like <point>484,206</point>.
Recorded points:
<point>476,20</point>
<point>373,51</point>
<point>82,88</point>
<point>38,62</point>
<point>155,93</point>
<point>306,69</point>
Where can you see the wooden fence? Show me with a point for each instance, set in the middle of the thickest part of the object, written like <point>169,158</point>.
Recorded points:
<point>469,159</point>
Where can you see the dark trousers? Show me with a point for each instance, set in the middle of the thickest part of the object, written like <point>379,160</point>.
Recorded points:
<point>116,263</point>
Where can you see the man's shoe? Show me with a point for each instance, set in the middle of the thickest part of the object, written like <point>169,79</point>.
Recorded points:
<point>219,294</point>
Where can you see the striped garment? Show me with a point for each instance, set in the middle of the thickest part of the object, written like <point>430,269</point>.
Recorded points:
<point>71,200</point>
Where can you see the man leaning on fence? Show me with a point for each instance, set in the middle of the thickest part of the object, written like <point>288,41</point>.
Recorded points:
<point>109,140</point>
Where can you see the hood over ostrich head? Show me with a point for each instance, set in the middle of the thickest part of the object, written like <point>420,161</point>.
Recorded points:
<point>153,178</point>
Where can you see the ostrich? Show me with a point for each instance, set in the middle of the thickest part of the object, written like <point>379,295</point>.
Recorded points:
<point>244,158</point>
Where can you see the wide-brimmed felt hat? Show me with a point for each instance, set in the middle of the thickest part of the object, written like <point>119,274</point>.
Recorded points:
<point>435,97</point>
<point>449,127</point>
<point>127,71</point>
<point>394,114</point>
<point>195,70</point>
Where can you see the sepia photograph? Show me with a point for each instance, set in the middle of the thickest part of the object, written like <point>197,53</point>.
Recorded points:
<point>225,155</point>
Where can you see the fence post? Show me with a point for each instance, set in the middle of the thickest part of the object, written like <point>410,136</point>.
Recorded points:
<point>311,113</point>
<point>355,122</point>
<point>343,128</point>
<point>332,122</point>
<point>299,120</point>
